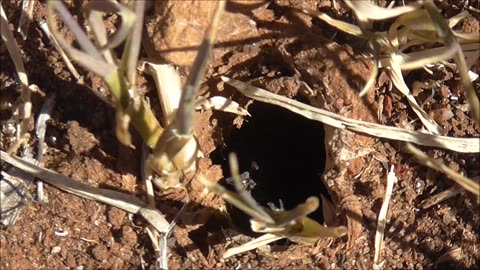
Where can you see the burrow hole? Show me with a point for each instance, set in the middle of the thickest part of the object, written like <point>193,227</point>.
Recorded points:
<point>289,151</point>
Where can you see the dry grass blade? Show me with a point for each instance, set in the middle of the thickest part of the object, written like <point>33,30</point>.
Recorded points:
<point>235,199</point>
<point>14,52</point>
<point>117,199</point>
<point>255,243</point>
<point>457,18</point>
<point>464,145</point>
<point>372,79</point>
<point>397,78</point>
<point>417,24</point>
<point>185,112</point>
<point>169,87</point>
<point>447,37</point>
<point>40,130</point>
<point>282,218</point>
<point>244,195</point>
<point>341,25</point>
<point>13,49</point>
<point>44,26</point>
<point>468,184</point>
<point>220,103</point>
<point>382,215</point>
<point>25,17</point>
<point>133,44</point>
<point>414,60</point>
<point>366,10</point>
<point>90,58</point>
<point>441,196</point>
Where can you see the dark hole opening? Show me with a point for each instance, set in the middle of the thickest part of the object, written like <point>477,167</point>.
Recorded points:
<point>289,151</point>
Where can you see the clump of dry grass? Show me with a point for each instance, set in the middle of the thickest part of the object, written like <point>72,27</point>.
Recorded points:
<point>175,149</point>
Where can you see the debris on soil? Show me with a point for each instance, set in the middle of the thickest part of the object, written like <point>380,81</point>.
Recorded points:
<point>430,223</point>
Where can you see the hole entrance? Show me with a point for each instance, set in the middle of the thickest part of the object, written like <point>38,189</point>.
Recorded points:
<point>284,153</point>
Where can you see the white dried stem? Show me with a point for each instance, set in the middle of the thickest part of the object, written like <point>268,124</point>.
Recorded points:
<point>382,215</point>
<point>255,243</point>
<point>25,17</point>
<point>464,145</point>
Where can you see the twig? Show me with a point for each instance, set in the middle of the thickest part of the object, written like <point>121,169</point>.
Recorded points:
<point>25,18</point>
<point>26,108</point>
<point>13,49</point>
<point>441,196</point>
<point>79,78</point>
<point>44,26</point>
<point>468,184</point>
<point>117,199</point>
<point>379,235</point>
<point>163,241</point>
<point>40,130</point>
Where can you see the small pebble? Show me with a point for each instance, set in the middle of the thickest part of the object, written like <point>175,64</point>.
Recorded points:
<point>56,250</point>
<point>61,233</point>
<point>419,184</point>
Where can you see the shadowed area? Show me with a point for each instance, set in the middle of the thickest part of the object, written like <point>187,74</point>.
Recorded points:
<point>289,151</point>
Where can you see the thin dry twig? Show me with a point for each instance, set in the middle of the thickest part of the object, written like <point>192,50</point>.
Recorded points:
<point>253,244</point>
<point>441,196</point>
<point>382,215</point>
<point>466,183</point>
<point>117,199</point>
<point>13,49</point>
<point>14,52</point>
<point>25,18</point>
<point>40,130</point>
<point>44,26</point>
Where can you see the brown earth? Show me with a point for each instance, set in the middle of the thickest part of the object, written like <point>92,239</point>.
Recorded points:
<point>267,45</point>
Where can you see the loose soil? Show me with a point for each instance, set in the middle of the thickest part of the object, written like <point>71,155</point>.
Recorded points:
<point>267,45</point>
